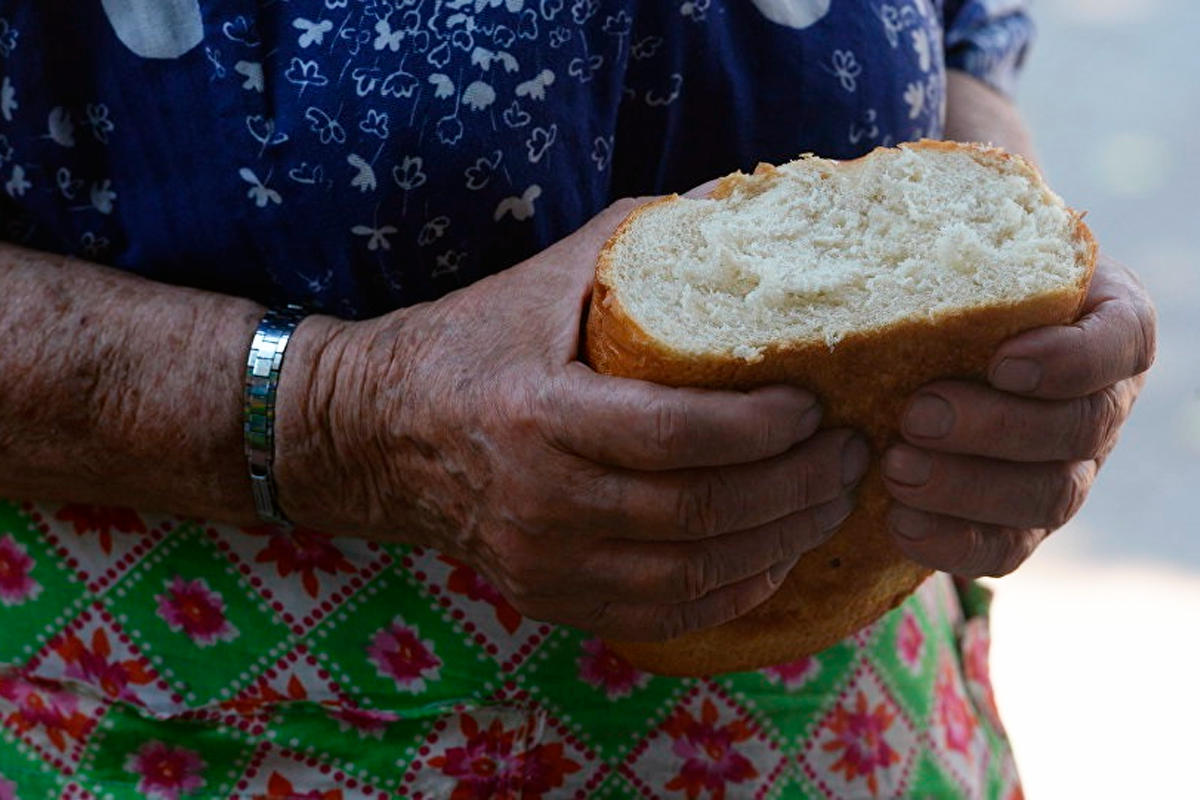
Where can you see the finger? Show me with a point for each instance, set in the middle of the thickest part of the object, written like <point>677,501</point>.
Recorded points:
<point>1007,493</point>
<point>703,503</point>
<point>968,418</point>
<point>970,549</point>
<point>1112,341</point>
<point>627,621</point>
<point>676,572</point>
<point>640,425</point>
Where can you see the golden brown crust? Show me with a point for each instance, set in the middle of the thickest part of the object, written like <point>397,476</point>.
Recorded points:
<point>863,382</point>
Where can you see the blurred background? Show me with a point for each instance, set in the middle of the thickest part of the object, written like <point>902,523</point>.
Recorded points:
<point>1096,652</point>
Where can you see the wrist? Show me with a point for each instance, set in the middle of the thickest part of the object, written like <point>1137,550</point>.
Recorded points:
<point>313,430</point>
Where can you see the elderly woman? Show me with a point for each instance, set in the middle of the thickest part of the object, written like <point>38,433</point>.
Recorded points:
<point>310,495</point>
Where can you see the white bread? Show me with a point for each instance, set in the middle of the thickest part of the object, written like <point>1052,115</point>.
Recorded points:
<point>859,280</point>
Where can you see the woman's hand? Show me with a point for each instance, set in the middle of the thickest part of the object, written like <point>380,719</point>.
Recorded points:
<point>618,506</point>
<point>987,472</point>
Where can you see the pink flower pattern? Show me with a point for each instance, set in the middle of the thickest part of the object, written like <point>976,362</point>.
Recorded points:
<point>954,714</point>
<point>709,752</point>
<point>600,666</point>
<point>55,712</point>
<point>166,772</point>
<point>860,738</point>
<point>365,722</point>
<point>93,663</point>
<point>17,585</point>
<point>101,521</point>
<point>398,653</point>
<point>191,608</point>
<point>8,790</point>
<point>910,641</point>
<point>794,674</point>
<point>490,766</point>
<point>304,552</point>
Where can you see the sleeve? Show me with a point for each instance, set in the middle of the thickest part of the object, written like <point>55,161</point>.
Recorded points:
<point>988,39</point>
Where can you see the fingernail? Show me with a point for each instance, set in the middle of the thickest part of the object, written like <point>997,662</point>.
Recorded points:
<point>907,465</point>
<point>856,456</point>
<point>780,571</point>
<point>929,417</point>
<point>831,515</point>
<point>1017,375</point>
<point>910,524</point>
<point>810,419</point>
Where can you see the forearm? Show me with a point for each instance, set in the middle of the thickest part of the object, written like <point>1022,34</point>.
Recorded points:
<point>119,390</point>
<point>977,113</point>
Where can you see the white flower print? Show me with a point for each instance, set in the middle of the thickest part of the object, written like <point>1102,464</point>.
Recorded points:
<point>67,185</point>
<point>102,197</point>
<point>314,32</point>
<point>410,174</point>
<point>433,230</point>
<point>653,98</point>
<point>478,96</point>
<point>846,68</point>
<point>448,263</point>
<point>263,131</point>
<point>914,95</point>
<point>535,87</point>
<point>62,129</point>
<point>601,152</point>
<point>214,58</point>
<point>8,38</point>
<point>101,125</point>
<point>516,117</point>
<point>253,72</point>
<point>17,185</point>
<point>920,40</point>
<point>695,9</point>
<point>443,87</point>
<point>400,83</point>
<point>521,207</point>
<point>93,245</point>
<point>242,31</point>
<point>310,175</point>
<point>259,192</point>
<point>386,37</point>
<point>365,180</point>
<point>539,142</point>
<point>8,99</point>
<point>376,122</point>
<point>378,236</point>
<point>480,174</point>
<point>646,48</point>
<point>483,58</point>
<point>327,129</point>
<point>366,79</point>
<point>305,73</point>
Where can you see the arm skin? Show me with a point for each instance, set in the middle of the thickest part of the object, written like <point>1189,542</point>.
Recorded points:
<point>986,473</point>
<point>624,508</point>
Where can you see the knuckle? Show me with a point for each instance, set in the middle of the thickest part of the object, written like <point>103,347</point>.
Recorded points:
<point>1098,422</point>
<point>700,574</point>
<point>1063,495</point>
<point>669,432</point>
<point>1010,550</point>
<point>703,507</point>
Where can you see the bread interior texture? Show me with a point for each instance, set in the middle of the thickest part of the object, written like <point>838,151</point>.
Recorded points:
<point>814,249</point>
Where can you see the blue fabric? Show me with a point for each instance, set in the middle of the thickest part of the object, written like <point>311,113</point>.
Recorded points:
<point>363,155</point>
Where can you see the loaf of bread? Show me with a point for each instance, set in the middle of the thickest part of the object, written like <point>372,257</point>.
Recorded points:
<point>860,281</point>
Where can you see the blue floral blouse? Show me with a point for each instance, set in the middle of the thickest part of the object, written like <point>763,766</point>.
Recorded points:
<point>360,155</point>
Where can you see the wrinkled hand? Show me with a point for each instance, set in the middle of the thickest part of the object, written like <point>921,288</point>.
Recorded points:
<point>628,509</point>
<point>987,472</point>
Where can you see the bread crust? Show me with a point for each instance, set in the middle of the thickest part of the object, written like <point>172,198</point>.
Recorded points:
<point>864,382</point>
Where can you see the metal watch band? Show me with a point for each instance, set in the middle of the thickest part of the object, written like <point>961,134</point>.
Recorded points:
<point>262,382</point>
